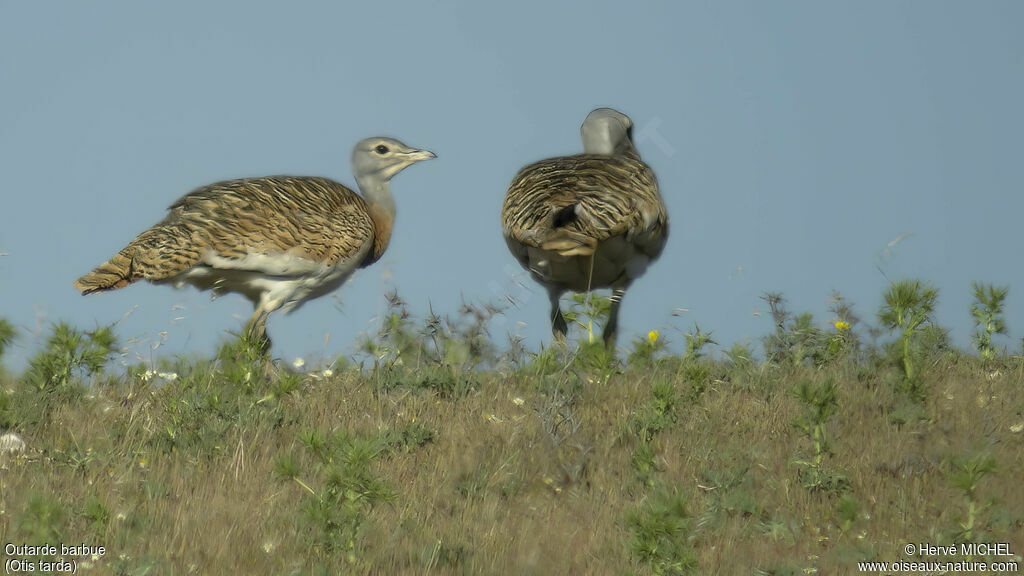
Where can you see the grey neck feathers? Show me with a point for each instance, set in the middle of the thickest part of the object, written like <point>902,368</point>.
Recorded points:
<point>377,192</point>
<point>625,147</point>
<point>607,140</point>
<point>380,205</point>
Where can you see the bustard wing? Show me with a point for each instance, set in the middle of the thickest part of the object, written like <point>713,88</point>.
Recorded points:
<point>571,204</point>
<point>315,219</point>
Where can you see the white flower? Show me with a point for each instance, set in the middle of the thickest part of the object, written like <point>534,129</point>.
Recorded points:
<point>328,373</point>
<point>518,401</point>
<point>169,376</point>
<point>299,363</point>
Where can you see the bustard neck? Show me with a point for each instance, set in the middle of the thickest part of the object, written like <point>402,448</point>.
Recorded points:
<point>377,192</point>
<point>381,208</point>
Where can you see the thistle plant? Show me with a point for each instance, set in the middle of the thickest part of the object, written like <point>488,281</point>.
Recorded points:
<point>847,512</point>
<point>336,511</point>
<point>987,311</point>
<point>839,306</point>
<point>844,340</point>
<point>588,310</point>
<point>397,342</point>
<point>659,413</point>
<point>43,519</point>
<point>7,334</point>
<point>740,356</point>
<point>71,353</point>
<point>644,349</point>
<point>908,307</point>
<point>776,346</point>
<point>820,405</point>
<point>796,338</point>
<point>660,535</point>
<point>696,341</point>
<point>837,341</point>
<point>966,474</point>
<point>655,416</point>
<point>243,361</point>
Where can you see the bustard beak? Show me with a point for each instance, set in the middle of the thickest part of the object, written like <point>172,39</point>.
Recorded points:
<point>419,155</point>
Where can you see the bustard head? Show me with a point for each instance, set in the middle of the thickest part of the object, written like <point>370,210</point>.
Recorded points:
<point>376,160</point>
<point>608,131</point>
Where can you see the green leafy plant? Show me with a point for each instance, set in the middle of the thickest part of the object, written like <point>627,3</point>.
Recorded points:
<point>844,340</point>
<point>7,334</point>
<point>658,413</point>
<point>847,512</point>
<point>796,340</point>
<point>347,488</point>
<point>644,462</point>
<point>407,438</point>
<point>596,356</point>
<point>97,514</point>
<point>966,474</point>
<point>660,535</point>
<point>740,356</point>
<point>908,307</point>
<point>243,361</point>
<point>776,345</point>
<point>42,520</point>
<point>696,341</point>
<point>443,355</point>
<point>821,403</point>
<point>987,311</point>
<point>397,343</point>
<point>644,349</point>
<point>588,311</point>
<point>729,492</point>
<point>71,354</point>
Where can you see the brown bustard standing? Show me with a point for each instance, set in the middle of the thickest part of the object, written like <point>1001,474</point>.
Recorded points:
<point>594,220</point>
<point>278,240</point>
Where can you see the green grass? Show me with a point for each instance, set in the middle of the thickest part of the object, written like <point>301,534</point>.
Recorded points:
<point>437,452</point>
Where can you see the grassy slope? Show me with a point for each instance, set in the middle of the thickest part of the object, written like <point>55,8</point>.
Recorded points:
<point>417,467</point>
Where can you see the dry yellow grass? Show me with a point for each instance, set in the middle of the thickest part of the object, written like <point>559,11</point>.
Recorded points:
<point>524,474</point>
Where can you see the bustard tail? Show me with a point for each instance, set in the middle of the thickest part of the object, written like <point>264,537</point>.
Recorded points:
<point>157,254</point>
<point>111,275</point>
<point>563,239</point>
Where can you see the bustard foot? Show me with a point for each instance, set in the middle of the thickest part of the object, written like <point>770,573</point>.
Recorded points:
<point>611,328</point>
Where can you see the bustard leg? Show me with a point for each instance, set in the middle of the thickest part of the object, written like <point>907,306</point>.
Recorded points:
<point>611,329</point>
<point>558,326</point>
<point>256,331</point>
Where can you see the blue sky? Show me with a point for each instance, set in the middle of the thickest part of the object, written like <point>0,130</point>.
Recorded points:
<point>792,140</point>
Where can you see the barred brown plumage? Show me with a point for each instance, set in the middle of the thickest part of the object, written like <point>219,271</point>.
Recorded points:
<point>277,240</point>
<point>594,220</point>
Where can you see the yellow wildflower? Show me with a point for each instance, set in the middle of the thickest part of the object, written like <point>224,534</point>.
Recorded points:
<point>842,326</point>
<point>652,336</point>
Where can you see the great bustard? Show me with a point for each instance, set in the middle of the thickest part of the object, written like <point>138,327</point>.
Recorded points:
<point>278,240</point>
<point>594,220</point>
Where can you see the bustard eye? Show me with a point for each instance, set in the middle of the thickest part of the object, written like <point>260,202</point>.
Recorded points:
<point>381,149</point>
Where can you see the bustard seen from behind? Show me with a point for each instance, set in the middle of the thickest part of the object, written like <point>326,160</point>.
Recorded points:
<point>278,240</point>
<point>589,221</point>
